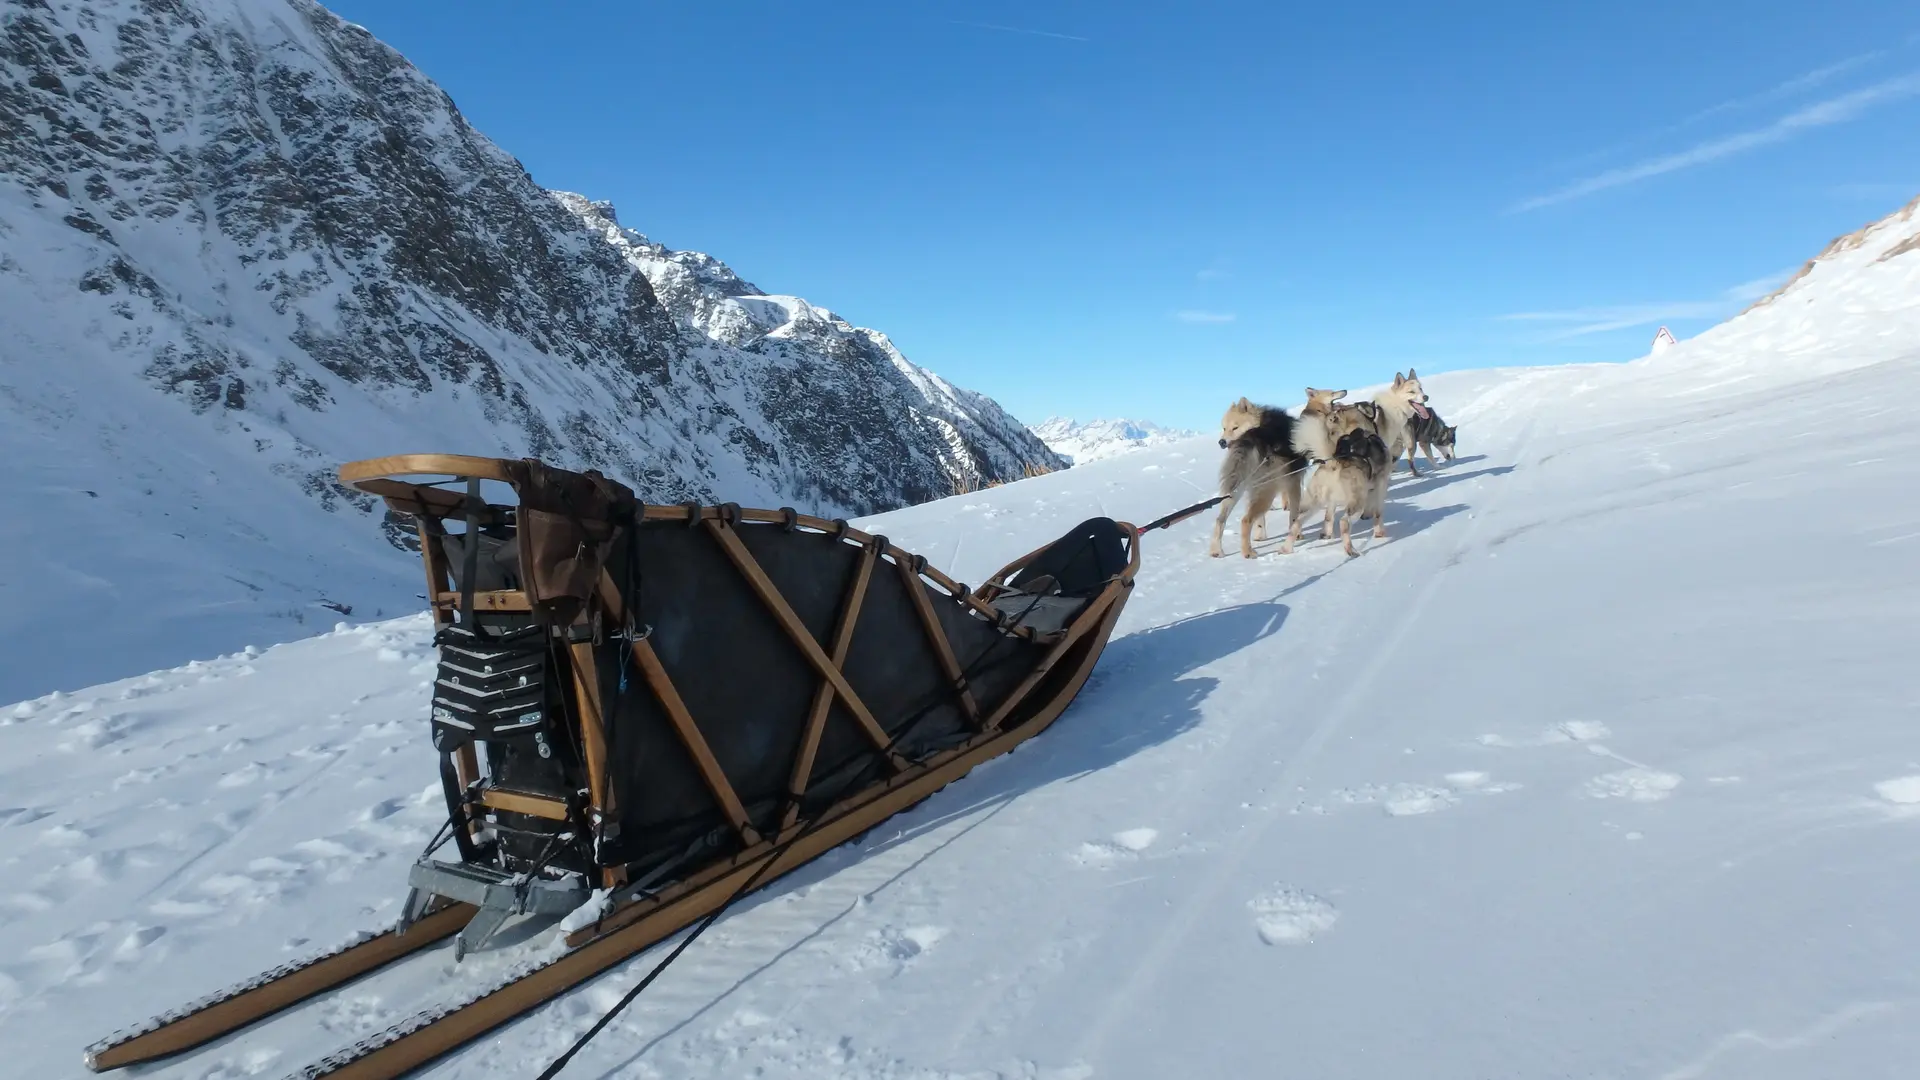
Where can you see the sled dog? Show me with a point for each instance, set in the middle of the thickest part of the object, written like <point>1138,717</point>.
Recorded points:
<point>1261,464</point>
<point>1311,440</point>
<point>1310,432</point>
<point>1431,433</point>
<point>1399,405</point>
<point>1351,482</point>
<point>1343,420</point>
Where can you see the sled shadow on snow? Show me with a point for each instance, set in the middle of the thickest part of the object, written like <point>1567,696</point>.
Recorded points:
<point>1140,696</point>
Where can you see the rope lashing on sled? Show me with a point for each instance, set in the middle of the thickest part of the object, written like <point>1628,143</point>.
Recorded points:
<point>806,829</point>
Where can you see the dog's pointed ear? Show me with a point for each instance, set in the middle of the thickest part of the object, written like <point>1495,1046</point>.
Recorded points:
<point>1399,380</point>
<point>1337,395</point>
<point>1410,375</point>
<point>1244,403</point>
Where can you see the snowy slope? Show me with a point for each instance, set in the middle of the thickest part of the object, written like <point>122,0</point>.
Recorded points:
<point>1864,265</point>
<point>1604,764</point>
<point>1096,439</point>
<point>242,242</point>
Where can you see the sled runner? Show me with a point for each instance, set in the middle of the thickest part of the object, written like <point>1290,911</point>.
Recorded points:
<point>642,711</point>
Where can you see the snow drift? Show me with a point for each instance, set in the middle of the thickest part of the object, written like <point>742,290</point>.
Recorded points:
<point>1603,764</point>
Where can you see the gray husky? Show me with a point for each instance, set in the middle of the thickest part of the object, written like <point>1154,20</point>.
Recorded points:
<point>1429,432</point>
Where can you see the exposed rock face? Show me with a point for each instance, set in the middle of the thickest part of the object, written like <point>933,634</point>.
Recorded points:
<point>242,241</point>
<point>275,218</point>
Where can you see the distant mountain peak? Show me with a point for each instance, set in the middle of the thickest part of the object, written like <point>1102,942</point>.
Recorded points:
<point>243,242</point>
<point>1096,439</point>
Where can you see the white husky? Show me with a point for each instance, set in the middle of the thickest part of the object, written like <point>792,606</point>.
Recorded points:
<point>1399,404</point>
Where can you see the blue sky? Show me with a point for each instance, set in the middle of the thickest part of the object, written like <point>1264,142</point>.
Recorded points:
<point>1104,209</point>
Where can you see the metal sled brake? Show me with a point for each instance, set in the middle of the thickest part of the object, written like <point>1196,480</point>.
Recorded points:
<point>669,703</point>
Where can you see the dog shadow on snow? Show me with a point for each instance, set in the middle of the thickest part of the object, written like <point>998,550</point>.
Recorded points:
<point>1404,520</point>
<point>1435,479</point>
<point>1142,694</point>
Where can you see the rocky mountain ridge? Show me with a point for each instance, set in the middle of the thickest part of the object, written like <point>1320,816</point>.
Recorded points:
<point>272,217</point>
<point>243,241</point>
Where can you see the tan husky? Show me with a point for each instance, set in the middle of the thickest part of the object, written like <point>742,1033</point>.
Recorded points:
<point>1353,481</point>
<point>1261,465</point>
<point>1311,439</point>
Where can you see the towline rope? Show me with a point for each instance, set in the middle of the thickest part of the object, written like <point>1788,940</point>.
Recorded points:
<point>1179,516</point>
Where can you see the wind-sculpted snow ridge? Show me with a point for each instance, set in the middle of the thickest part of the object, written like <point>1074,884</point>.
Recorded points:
<point>242,242</point>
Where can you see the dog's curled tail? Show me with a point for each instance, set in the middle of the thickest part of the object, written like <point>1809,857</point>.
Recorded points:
<point>1237,468</point>
<point>1311,439</point>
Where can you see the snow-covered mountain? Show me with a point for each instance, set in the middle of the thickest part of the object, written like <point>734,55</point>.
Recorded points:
<point>1096,439</point>
<point>242,241</point>
<point>1603,764</point>
<point>1858,264</point>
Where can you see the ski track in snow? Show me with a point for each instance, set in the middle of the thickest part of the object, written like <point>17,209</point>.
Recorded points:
<point>1541,785</point>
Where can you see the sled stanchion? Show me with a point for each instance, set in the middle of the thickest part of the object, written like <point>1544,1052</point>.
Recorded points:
<point>936,637</point>
<point>693,741</point>
<point>797,632</point>
<point>823,696</point>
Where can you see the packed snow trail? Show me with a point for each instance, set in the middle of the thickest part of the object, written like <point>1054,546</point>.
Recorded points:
<point>1601,764</point>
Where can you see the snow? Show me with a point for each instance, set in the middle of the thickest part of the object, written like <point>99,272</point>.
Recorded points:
<point>1600,764</point>
<point>1604,763</point>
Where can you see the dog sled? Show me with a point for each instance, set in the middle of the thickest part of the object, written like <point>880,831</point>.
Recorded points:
<point>641,712</point>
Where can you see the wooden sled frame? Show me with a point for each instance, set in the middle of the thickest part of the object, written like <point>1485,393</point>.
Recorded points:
<point>1077,646</point>
<point>637,918</point>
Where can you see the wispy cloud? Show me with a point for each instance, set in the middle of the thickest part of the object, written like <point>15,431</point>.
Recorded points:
<point>1192,316</point>
<point>1796,85</point>
<point>1806,80</point>
<point>1600,320</point>
<point>1837,110</point>
<point>1018,30</point>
